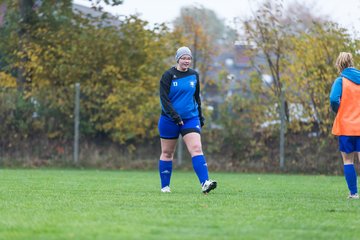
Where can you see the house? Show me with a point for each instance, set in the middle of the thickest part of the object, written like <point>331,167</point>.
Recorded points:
<point>77,8</point>
<point>90,12</point>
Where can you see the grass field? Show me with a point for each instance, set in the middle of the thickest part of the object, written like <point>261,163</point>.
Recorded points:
<point>90,204</point>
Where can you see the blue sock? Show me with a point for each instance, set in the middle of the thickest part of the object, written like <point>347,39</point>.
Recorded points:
<point>200,168</point>
<point>165,170</point>
<point>351,178</point>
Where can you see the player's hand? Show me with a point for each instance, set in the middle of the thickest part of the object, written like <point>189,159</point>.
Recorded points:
<point>202,121</point>
<point>181,123</point>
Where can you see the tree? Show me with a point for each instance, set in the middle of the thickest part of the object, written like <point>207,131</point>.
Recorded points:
<point>312,70</point>
<point>201,30</point>
<point>269,36</point>
<point>118,72</point>
<point>97,4</point>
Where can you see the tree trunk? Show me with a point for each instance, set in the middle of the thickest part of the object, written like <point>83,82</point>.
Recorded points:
<point>25,8</point>
<point>282,128</point>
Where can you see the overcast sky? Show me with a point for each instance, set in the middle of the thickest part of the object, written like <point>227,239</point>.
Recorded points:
<point>345,12</point>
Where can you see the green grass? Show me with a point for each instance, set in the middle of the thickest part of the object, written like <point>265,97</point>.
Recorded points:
<point>89,204</point>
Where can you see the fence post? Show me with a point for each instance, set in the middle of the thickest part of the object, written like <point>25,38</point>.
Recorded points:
<point>76,123</point>
<point>282,128</point>
<point>180,151</point>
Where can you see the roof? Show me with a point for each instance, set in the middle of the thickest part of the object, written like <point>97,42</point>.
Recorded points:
<point>111,20</point>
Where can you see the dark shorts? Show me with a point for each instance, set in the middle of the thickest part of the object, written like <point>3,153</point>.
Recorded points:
<point>349,144</point>
<point>168,129</point>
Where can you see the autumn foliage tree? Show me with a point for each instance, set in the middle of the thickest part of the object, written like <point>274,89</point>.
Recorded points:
<point>269,35</point>
<point>118,67</point>
<point>298,52</point>
<point>200,29</point>
<point>312,70</point>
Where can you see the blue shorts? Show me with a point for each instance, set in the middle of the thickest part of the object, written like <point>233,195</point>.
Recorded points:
<point>349,144</point>
<point>168,129</point>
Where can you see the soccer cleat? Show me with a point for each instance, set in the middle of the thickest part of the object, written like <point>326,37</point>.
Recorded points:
<point>353,196</point>
<point>208,186</point>
<point>166,189</point>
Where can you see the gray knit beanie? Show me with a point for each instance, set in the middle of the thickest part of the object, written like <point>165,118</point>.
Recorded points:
<point>181,52</point>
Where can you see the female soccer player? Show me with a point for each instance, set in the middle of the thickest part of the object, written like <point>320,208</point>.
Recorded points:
<point>181,114</point>
<point>345,101</point>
